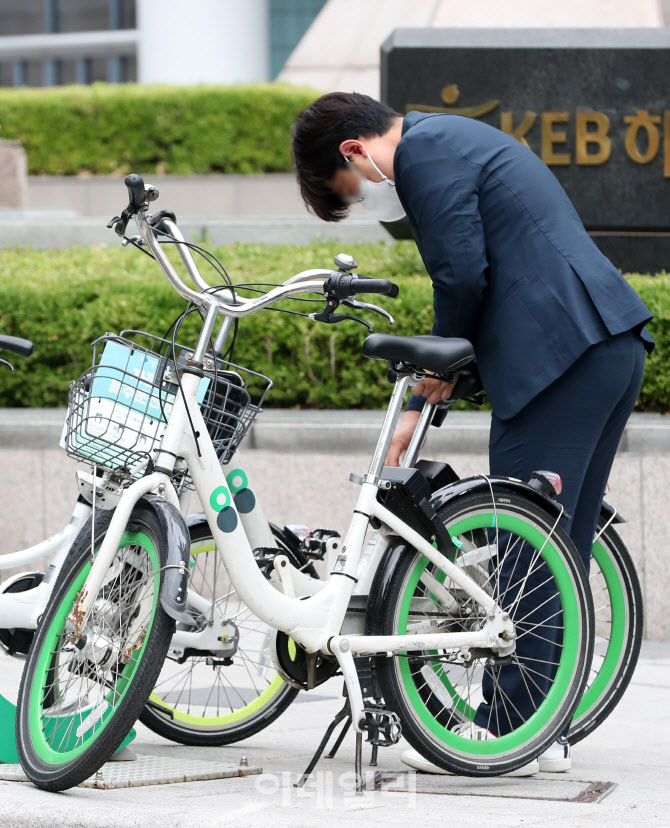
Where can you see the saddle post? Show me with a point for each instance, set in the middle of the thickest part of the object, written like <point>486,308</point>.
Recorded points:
<point>419,436</point>
<point>388,427</point>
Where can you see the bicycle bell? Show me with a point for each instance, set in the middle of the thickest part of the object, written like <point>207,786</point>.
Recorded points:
<point>345,262</point>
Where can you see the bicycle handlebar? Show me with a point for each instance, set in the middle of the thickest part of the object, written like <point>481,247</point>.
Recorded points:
<point>343,286</point>
<point>169,223</point>
<point>384,287</point>
<point>206,300</point>
<point>17,345</point>
<point>136,191</point>
<point>309,281</point>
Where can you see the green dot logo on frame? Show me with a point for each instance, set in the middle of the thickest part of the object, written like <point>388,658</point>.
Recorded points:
<point>227,516</point>
<point>244,498</point>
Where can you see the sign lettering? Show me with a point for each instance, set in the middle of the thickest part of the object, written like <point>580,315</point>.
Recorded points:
<point>592,142</point>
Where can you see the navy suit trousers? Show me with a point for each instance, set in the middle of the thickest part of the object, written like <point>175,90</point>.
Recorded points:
<point>573,427</point>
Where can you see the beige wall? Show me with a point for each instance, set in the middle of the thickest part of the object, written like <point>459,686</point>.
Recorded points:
<point>340,50</point>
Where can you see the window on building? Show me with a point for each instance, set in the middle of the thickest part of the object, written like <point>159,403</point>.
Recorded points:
<point>289,20</point>
<point>22,17</point>
<point>95,15</point>
<point>25,17</point>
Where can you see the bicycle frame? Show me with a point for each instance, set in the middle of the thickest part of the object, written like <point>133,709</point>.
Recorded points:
<point>313,619</point>
<point>23,609</point>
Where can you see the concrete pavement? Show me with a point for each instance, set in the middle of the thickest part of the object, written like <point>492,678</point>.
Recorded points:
<point>630,751</point>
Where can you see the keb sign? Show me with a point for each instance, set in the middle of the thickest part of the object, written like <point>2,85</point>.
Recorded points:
<point>594,104</point>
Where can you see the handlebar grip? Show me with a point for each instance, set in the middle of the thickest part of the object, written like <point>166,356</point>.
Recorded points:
<point>156,219</point>
<point>384,287</point>
<point>136,191</point>
<point>17,345</point>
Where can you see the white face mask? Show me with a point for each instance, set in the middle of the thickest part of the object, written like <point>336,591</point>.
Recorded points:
<point>379,198</point>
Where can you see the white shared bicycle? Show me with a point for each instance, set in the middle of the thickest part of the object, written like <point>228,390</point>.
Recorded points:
<point>441,602</point>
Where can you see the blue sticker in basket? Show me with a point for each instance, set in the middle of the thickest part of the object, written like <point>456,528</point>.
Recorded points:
<point>125,407</point>
<point>129,377</point>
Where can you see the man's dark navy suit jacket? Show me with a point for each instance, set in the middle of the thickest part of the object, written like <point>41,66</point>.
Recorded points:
<point>513,269</point>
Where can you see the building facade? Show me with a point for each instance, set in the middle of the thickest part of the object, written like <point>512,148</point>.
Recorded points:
<point>55,42</point>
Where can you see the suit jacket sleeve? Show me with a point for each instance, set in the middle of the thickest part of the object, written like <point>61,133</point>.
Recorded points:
<point>438,187</point>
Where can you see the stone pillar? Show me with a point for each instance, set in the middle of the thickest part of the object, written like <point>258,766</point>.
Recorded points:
<point>13,175</point>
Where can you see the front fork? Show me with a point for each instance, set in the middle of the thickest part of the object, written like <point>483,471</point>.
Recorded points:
<point>157,481</point>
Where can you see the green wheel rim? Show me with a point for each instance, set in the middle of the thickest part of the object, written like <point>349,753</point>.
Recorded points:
<point>561,683</point>
<point>609,668</point>
<point>274,688</point>
<point>39,734</point>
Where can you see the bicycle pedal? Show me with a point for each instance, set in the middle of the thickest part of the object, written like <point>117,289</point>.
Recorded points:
<point>265,558</point>
<point>315,545</point>
<point>382,726</point>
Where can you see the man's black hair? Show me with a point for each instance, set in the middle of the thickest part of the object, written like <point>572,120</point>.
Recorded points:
<point>317,134</point>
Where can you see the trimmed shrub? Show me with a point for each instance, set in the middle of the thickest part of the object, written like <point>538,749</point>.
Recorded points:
<point>117,129</point>
<point>64,299</point>
<point>655,293</point>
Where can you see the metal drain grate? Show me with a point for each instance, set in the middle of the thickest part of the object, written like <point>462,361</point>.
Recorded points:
<point>536,787</point>
<point>147,770</point>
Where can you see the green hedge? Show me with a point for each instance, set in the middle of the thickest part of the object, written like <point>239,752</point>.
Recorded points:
<point>65,299</point>
<point>116,129</point>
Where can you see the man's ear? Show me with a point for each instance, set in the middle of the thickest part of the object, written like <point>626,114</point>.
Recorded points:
<point>352,146</point>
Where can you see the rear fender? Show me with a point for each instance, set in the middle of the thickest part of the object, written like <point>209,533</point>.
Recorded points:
<point>398,547</point>
<point>499,484</point>
<point>610,514</point>
<point>195,519</point>
<point>380,589</point>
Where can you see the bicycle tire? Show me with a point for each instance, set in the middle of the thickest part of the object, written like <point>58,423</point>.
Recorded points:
<point>116,661</point>
<point>432,696</point>
<point>176,710</point>
<point>619,622</point>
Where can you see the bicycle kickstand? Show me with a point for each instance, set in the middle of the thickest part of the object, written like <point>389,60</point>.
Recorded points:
<point>343,715</point>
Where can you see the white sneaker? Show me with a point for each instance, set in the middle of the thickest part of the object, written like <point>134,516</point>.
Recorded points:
<point>468,730</point>
<point>556,757</point>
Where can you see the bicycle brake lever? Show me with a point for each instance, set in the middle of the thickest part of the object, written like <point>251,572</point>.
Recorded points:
<point>356,303</point>
<point>8,364</point>
<point>331,318</point>
<point>120,223</point>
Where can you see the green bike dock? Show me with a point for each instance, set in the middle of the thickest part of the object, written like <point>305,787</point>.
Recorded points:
<point>8,752</point>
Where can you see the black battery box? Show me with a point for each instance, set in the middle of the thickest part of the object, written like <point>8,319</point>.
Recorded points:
<point>407,493</point>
